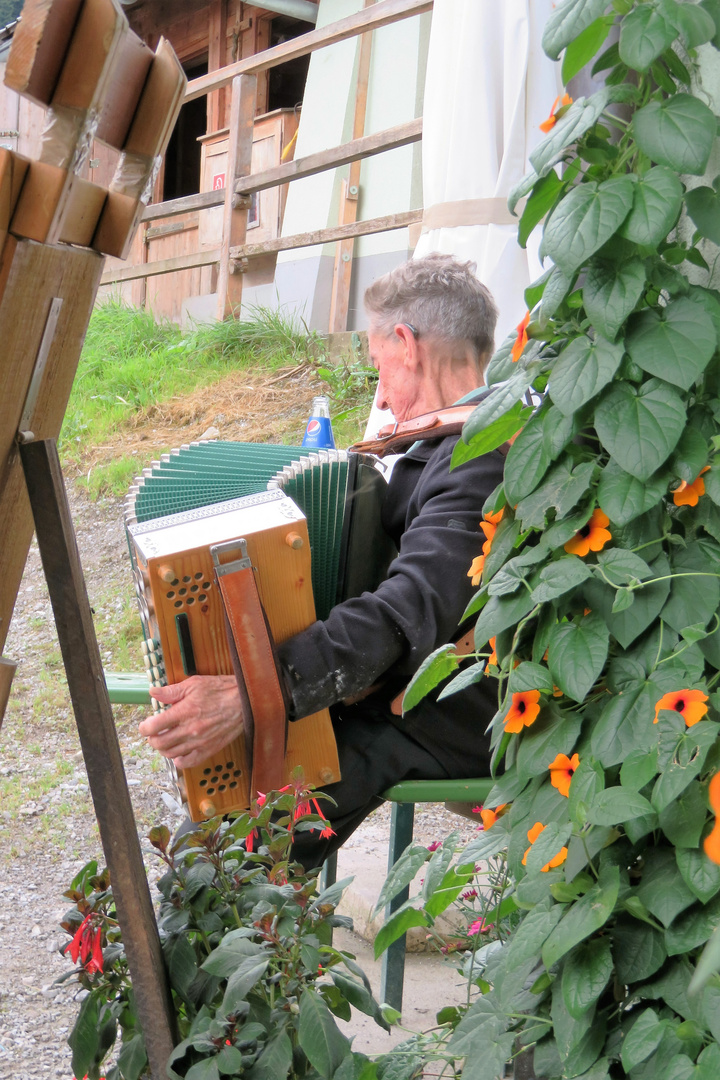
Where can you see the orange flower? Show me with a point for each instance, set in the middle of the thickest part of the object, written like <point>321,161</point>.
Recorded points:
<point>688,494</point>
<point>523,711</point>
<point>557,860</point>
<point>489,527</point>
<point>521,340</point>
<point>689,703</point>
<point>592,537</point>
<point>561,772</point>
<point>475,571</point>
<point>558,103</point>
<point>492,658</point>
<point>489,817</point>
<point>711,843</point>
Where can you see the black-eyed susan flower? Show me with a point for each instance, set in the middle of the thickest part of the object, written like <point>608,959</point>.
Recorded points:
<point>489,817</point>
<point>522,339</point>
<point>711,843</point>
<point>689,703</point>
<point>561,772</point>
<point>688,494</point>
<point>523,710</point>
<point>557,860</point>
<point>489,526</point>
<point>558,103</point>
<point>592,537</point>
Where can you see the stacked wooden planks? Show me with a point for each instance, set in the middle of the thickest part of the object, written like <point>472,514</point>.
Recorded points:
<point>97,79</point>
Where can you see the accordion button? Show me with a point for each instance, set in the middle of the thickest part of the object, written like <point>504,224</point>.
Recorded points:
<point>166,574</point>
<point>294,540</point>
<point>207,808</point>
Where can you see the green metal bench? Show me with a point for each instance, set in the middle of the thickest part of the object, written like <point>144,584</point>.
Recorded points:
<point>128,687</point>
<point>131,688</point>
<point>404,796</point>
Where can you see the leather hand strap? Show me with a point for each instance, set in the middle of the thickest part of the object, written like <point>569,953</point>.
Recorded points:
<point>253,641</point>
<point>394,438</point>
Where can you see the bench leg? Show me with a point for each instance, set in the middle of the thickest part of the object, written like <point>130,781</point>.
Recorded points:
<point>393,962</point>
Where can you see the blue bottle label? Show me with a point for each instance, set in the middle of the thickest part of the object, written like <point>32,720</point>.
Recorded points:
<point>318,433</point>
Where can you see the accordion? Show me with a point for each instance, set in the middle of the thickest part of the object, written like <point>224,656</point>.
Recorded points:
<point>308,524</point>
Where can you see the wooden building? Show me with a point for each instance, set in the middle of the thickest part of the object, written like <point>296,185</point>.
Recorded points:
<point>317,76</point>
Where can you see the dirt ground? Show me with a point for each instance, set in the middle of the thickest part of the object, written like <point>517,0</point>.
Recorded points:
<point>47,825</point>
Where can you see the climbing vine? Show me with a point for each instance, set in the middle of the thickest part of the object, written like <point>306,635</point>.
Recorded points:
<point>599,578</point>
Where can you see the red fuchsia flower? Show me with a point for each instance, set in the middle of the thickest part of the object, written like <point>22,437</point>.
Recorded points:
<point>327,832</point>
<point>87,945</point>
<point>558,103</point>
<point>688,494</point>
<point>489,817</point>
<point>711,843</point>
<point>592,537</point>
<point>479,927</point>
<point>522,339</point>
<point>435,845</point>
<point>557,860</point>
<point>304,807</point>
<point>561,772</point>
<point>689,703</point>
<point>523,711</point>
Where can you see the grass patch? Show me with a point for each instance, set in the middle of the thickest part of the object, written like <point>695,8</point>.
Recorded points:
<point>131,361</point>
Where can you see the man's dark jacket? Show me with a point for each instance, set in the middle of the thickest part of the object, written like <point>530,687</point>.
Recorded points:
<point>382,637</point>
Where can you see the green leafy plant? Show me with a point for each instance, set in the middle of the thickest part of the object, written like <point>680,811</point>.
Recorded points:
<point>247,938</point>
<point>597,611</point>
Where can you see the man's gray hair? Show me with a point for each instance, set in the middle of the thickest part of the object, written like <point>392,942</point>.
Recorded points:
<point>437,296</point>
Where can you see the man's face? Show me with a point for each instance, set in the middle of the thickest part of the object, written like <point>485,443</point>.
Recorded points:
<point>399,383</point>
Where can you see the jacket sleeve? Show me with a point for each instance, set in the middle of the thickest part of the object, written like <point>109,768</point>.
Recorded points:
<point>419,605</point>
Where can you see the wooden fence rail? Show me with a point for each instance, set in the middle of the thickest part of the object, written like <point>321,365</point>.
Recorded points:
<point>234,253</point>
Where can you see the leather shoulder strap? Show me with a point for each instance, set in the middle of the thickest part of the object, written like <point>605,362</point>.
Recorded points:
<point>394,438</point>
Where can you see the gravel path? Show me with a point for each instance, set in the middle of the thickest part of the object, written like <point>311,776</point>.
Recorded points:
<point>47,825</point>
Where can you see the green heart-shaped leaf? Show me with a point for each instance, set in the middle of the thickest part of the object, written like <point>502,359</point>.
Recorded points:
<point>640,427</point>
<point>675,342</point>
<point>656,204</point>
<point>585,220</point>
<point>543,198</point>
<point>678,132</point>
<point>644,34</point>
<point>582,370</point>
<point>556,289</point>
<point>567,21</point>
<point>695,25</point>
<point>624,498</point>
<point>501,400</point>
<point>703,206</point>
<point>611,292</point>
<point>577,654</point>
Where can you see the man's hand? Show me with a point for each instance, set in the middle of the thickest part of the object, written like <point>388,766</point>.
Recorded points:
<point>205,715</point>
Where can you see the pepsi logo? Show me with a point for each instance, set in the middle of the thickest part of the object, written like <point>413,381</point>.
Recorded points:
<point>313,427</point>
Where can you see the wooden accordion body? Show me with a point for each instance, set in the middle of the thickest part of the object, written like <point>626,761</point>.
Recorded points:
<point>292,555</point>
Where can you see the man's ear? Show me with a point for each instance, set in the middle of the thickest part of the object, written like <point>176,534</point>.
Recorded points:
<point>409,341</point>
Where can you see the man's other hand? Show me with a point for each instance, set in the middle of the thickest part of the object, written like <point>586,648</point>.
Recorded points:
<point>204,716</point>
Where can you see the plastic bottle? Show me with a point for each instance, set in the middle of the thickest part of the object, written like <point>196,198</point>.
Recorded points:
<point>318,433</point>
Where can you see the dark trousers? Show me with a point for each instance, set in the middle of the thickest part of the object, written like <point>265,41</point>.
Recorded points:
<point>374,755</point>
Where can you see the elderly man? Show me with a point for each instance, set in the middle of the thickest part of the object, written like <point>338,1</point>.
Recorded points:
<point>431,326</point>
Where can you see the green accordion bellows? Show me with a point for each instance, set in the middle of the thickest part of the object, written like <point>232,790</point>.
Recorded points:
<point>339,493</point>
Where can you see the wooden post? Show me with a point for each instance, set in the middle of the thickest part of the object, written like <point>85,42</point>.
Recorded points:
<point>7,670</point>
<point>101,751</point>
<point>242,118</point>
<point>342,272</point>
<point>216,59</point>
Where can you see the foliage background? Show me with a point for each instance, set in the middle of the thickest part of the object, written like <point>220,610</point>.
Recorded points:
<point>597,607</point>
